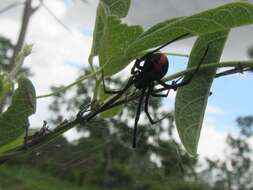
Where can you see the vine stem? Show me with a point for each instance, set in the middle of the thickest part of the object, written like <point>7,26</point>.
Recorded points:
<point>239,64</point>
<point>177,54</point>
<point>176,75</point>
<point>38,142</point>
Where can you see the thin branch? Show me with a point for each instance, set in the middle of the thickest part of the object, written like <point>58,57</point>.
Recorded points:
<point>233,71</point>
<point>177,54</point>
<point>36,142</point>
<point>210,66</point>
<point>206,66</point>
<point>27,13</point>
<point>34,9</point>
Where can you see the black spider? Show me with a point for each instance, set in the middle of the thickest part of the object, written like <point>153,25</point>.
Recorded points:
<point>146,72</point>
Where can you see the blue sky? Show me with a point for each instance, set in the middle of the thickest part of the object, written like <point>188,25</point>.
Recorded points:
<point>231,94</point>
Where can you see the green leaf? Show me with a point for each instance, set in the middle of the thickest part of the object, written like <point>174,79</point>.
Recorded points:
<point>15,119</point>
<point>191,100</point>
<point>12,145</point>
<point>117,38</point>
<point>160,25</point>
<point>106,8</point>
<point>119,8</point>
<point>213,20</point>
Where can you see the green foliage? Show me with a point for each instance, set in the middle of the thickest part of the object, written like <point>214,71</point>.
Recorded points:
<point>191,100</point>
<point>121,44</point>
<point>19,141</point>
<point>27,178</point>
<point>160,25</point>
<point>5,87</point>
<point>125,42</point>
<point>213,20</point>
<point>116,40</point>
<point>105,158</point>
<point>106,8</point>
<point>15,119</point>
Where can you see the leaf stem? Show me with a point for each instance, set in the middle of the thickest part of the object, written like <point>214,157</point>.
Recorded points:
<point>66,125</point>
<point>239,64</point>
<point>176,75</point>
<point>177,54</point>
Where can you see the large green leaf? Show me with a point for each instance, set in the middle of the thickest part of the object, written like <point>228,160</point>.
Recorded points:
<point>106,8</point>
<point>116,39</point>
<point>12,145</point>
<point>213,20</point>
<point>15,119</point>
<point>191,100</point>
<point>121,44</point>
<point>160,25</point>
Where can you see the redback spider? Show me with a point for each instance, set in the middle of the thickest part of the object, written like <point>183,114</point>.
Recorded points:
<point>145,76</point>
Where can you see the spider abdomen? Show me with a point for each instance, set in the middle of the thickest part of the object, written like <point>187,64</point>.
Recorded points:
<point>154,68</point>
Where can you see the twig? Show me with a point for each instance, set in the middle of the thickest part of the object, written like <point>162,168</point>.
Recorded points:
<point>210,65</point>
<point>38,141</point>
<point>244,64</point>
<point>233,71</point>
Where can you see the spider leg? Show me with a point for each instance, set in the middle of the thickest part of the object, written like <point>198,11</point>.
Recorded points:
<point>146,104</point>
<point>137,117</point>
<point>119,94</point>
<point>155,94</point>
<point>107,91</point>
<point>136,65</point>
<point>150,92</point>
<point>106,104</point>
<point>26,135</point>
<point>83,110</point>
<point>175,84</point>
<point>166,86</point>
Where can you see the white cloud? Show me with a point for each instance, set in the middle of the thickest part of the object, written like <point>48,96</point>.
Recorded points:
<point>212,142</point>
<point>215,110</point>
<point>81,15</point>
<point>73,134</point>
<point>57,6</point>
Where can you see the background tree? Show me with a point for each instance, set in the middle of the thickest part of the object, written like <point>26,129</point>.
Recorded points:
<point>103,158</point>
<point>235,171</point>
